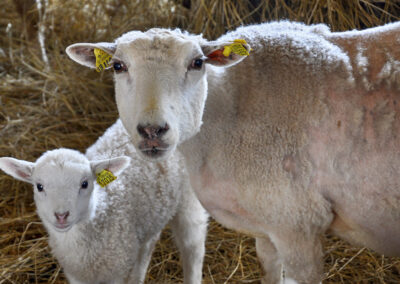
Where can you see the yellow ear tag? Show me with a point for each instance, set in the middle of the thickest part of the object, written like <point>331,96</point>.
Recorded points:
<point>102,59</point>
<point>105,177</point>
<point>236,47</point>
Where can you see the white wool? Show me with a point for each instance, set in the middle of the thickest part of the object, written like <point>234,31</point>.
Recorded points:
<point>157,32</point>
<point>371,50</point>
<point>362,66</point>
<point>306,43</point>
<point>390,72</point>
<point>369,32</point>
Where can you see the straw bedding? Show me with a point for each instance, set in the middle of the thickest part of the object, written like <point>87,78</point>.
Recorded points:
<point>47,101</point>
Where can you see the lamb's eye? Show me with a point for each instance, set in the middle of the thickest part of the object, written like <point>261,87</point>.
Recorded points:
<point>196,64</point>
<point>39,187</point>
<point>119,67</point>
<point>84,184</point>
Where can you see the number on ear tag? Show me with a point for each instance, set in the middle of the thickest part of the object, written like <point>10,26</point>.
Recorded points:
<point>236,47</point>
<point>105,177</point>
<point>103,59</point>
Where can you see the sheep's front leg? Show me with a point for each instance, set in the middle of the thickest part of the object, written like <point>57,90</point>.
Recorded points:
<point>138,273</point>
<point>268,256</point>
<point>301,255</point>
<point>189,227</point>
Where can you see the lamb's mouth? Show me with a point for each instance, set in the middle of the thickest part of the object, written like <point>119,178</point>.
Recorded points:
<point>62,227</point>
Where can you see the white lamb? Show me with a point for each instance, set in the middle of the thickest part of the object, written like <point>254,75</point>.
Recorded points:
<point>106,235</point>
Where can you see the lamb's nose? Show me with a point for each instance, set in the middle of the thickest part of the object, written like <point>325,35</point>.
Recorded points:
<point>152,131</point>
<point>61,217</point>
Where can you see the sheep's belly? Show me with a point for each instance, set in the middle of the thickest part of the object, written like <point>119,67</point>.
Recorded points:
<point>355,155</point>
<point>377,231</point>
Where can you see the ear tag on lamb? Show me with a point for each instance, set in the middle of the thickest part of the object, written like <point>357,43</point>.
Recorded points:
<point>236,47</point>
<point>105,177</point>
<point>103,59</point>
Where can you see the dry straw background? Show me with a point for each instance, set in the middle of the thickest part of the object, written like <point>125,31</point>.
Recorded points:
<point>48,101</point>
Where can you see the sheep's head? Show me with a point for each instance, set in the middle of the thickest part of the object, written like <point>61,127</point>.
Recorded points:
<point>63,182</point>
<point>160,83</point>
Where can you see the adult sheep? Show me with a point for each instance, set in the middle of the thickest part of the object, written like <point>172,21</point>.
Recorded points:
<point>299,138</point>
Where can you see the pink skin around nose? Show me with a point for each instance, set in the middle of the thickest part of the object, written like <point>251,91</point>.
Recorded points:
<point>62,217</point>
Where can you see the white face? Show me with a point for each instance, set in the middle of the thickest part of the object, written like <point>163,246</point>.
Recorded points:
<point>160,94</point>
<point>63,182</point>
<point>63,197</point>
<point>160,83</point>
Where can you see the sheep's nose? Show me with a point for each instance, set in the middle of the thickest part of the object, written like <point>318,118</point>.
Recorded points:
<point>61,217</point>
<point>152,131</point>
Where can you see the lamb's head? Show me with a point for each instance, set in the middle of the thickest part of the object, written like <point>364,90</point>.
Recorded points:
<point>160,83</point>
<point>63,181</point>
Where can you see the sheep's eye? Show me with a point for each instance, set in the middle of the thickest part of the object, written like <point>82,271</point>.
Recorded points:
<point>84,184</point>
<point>39,187</point>
<point>119,67</point>
<point>196,64</point>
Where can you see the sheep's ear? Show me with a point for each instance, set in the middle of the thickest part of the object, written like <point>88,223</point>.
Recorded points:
<point>83,53</point>
<point>21,170</point>
<point>114,165</point>
<point>225,54</point>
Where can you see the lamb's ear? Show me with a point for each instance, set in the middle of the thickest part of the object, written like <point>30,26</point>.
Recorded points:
<point>114,165</point>
<point>83,53</point>
<point>21,170</point>
<point>225,54</point>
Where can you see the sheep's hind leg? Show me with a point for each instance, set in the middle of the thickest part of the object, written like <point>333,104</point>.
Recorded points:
<point>189,227</point>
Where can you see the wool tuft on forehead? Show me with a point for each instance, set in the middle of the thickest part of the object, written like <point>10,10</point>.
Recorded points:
<point>159,45</point>
<point>62,156</point>
<point>159,35</point>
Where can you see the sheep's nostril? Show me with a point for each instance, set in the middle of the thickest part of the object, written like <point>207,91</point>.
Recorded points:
<point>152,131</point>
<point>162,130</point>
<point>61,217</point>
<point>141,131</point>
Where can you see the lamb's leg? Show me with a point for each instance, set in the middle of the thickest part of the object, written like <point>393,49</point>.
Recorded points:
<point>189,227</point>
<point>301,255</point>
<point>138,273</point>
<point>268,256</point>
